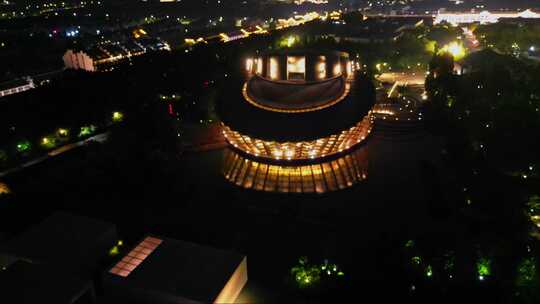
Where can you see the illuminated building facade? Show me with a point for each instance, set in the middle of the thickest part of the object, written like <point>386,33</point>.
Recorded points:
<point>296,123</point>
<point>103,56</point>
<point>482,17</point>
<point>16,86</point>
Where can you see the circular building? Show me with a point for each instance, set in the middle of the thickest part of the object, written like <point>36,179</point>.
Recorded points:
<point>295,123</point>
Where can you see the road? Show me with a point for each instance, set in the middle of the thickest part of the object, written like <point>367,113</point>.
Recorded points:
<point>207,139</point>
<point>96,138</point>
<point>397,112</point>
<point>410,78</point>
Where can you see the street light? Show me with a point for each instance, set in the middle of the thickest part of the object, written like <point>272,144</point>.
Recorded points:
<point>456,49</point>
<point>117,116</point>
<point>63,132</point>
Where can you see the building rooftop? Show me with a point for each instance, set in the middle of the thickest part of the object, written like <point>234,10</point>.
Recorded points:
<point>186,272</point>
<point>70,242</point>
<point>295,96</point>
<point>13,84</point>
<point>37,283</point>
<point>256,122</point>
<point>96,53</point>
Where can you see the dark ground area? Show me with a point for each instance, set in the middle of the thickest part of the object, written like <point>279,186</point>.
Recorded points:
<point>362,228</point>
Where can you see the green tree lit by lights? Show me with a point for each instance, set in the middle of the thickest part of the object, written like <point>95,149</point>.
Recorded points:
<point>23,146</point>
<point>289,41</point>
<point>115,250</point>
<point>87,130</point>
<point>416,260</point>
<point>331,269</point>
<point>306,275</point>
<point>533,205</point>
<point>455,48</point>
<point>431,46</point>
<point>483,268</point>
<point>48,142</point>
<point>450,101</point>
<point>63,132</point>
<point>117,116</point>
<point>429,271</point>
<point>526,271</point>
<point>409,244</point>
<point>309,275</point>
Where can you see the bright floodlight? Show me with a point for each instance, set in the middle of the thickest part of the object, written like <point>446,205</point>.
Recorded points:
<point>456,49</point>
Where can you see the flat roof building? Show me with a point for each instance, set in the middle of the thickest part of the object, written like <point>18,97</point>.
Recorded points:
<point>16,86</point>
<point>162,270</point>
<point>482,17</point>
<point>101,56</point>
<point>27,283</point>
<point>55,261</point>
<point>75,244</point>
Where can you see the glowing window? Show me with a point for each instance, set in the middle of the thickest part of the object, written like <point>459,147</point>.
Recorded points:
<point>136,256</point>
<point>259,66</point>
<point>321,68</point>
<point>296,68</point>
<point>337,69</point>
<point>349,68</point>
<point>274,68</point>
<point>249,65</point>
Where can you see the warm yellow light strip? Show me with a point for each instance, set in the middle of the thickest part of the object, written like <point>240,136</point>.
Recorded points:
<point>234,286</point>
<point>283,110</point>
<point>314,178</point>
<point>321,147</point>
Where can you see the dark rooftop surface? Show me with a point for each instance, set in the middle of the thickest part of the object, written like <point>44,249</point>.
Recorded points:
<point>68,241</point>
<point>23,282</point>
<point>294,96</point>
<point>13,84</point>
<point>250,120</point>
<point>184,270</point>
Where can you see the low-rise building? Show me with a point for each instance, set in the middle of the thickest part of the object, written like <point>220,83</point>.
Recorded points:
<point>159,270</point>
<point>100,57</point>
<point>482,17</point>
<point>16,86</point>
<point>56,261</point>
<point>29,283</point>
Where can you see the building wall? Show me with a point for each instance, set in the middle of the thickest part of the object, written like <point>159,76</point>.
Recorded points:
<point>481,17</point>
<point>18,89</point>
<point>234,286</point>
<point>317,177</point>
<point>305,150</point>
<point>78,60</point>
